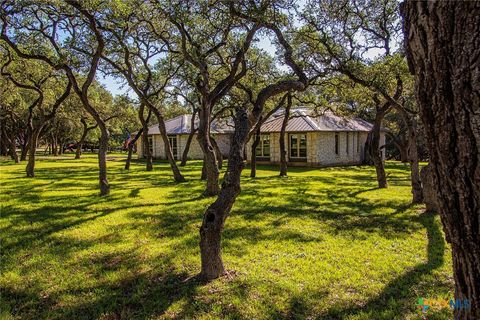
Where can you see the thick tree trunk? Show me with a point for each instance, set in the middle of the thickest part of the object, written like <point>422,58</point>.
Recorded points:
<point>32,148</point>
<point>443,49</point>
<point>253,159</point>
<point>210,159</point>
<point>283,150</point>
<point>177,175</point>
<point>374,149</point>
<point>215,215</point>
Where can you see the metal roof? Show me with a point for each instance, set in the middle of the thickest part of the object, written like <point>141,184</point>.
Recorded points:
<point>181,125</point>
<point>301,121</point>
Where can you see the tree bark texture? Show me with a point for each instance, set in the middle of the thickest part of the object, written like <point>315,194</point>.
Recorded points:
<point>215,215</point>
<point>443,52</point>
<point>32,148</point>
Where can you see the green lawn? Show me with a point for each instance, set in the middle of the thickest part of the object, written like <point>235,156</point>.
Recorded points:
<point>320,244</point>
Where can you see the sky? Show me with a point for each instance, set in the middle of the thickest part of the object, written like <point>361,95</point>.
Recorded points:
<point>114,86</point>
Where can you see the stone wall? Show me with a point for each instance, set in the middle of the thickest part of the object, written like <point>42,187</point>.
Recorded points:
<point>321,148</point>
<point>195,152</point>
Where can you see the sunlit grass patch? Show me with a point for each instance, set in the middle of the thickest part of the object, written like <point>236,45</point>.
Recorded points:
<point>323,243</point>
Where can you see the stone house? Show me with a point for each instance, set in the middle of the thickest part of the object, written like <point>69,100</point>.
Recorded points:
<point>311,140</point>
<point>178,130</point>
<point>314,140</point>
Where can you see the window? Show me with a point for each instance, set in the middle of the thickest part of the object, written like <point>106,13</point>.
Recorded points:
<point>298,146</point>
<point>336,143</point>
<point>348,142</point>
<point>150,144</point>
<point>263,148</point>
<point>358,142</point>
<point>173,144</point>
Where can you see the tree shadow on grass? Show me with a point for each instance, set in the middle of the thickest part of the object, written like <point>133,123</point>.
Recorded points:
<point>398,297</point>
<point>140,296</point>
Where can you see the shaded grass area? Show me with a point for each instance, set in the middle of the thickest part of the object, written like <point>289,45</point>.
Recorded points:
<point>319,244</point>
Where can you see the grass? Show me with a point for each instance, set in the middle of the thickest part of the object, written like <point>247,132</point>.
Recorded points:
<point>320,244</point>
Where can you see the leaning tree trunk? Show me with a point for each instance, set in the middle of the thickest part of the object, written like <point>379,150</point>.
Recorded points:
<point>187,149</point>
<point>216,213</point>
<point>210,159</point>
<point>253,160</point>
<point>374,149</point>
<point>189,141</point>
<point>218,152</point>
<point>283,151</point>
<point>131,143</point>
<point>443,50</point>
<point>177,175</point>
